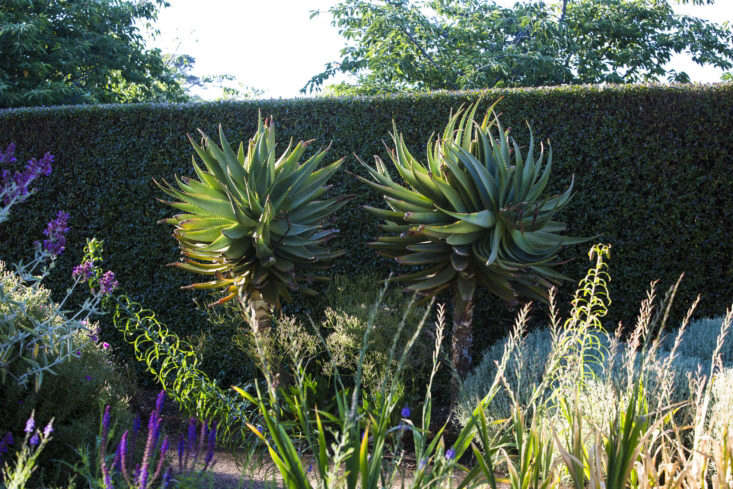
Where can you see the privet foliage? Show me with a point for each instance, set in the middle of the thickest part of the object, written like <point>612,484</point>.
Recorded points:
<point>652,162</point>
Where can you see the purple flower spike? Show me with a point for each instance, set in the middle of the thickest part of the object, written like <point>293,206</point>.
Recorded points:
<point>105,422</point>
<point>191,434</point>
<point>107,283</point>
<point>136,424</point>
<point>159,400</point>
<point>405,413</point>
<point>164,447</point>
<point>181,449</point>
<point>167,478</point>
<point>34,441</point>
<point>122,448</point>
<point>450,454</point>
<point>9,155</point>
<point>30,424</point>
<point>48,430</point>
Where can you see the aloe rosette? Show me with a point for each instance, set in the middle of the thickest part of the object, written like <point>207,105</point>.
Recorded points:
<point>474,216</point>
<point>252,221</point>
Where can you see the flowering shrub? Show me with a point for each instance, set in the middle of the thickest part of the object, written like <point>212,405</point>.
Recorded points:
<point>17,475</point>
<point>34,340</point>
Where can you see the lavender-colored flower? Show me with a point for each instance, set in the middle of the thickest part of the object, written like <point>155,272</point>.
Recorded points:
<point>105,345</point>
<point>40,167</point>
<point>164,447</point>
<point>30,425</point>
<point>181,450</point>
<point>122,448</point>
<point>56,232</point>
<point>191,435</point>
<point>34,441</point>
<point>423,462</point>
<point>105,422</point>
<point>8,156</point>
<point>136,424</point>
<point>88,378</point>
<point>450,454</point>
<point>83,271</point>
<point>48,430</point>
<point>166,478</point>
<point>211,445</point>
<point>78,354</point>
<point>405,413</point>
<point>108,283</point>
<point>8,438</point>
<point>159,400</point>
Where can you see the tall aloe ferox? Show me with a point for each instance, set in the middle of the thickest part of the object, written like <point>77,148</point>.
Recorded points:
<point>474,216</point>
<point>253,221</point>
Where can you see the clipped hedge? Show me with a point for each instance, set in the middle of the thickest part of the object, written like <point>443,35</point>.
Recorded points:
<point>653,174</point>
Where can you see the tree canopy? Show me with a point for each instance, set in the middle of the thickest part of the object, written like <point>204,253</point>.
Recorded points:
<point>463,44</point>
<point>57,52</point>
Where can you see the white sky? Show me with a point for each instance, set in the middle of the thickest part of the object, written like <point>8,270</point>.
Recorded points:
<point>274,46</point>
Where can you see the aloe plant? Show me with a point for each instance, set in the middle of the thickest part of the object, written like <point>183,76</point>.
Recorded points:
<point>474,216</point>
<point>254,222</point>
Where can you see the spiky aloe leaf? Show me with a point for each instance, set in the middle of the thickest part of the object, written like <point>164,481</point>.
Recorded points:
<point>254,220</point>
<point>475,215</point>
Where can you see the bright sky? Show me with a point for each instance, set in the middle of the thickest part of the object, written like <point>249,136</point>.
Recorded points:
<point>274,46</point>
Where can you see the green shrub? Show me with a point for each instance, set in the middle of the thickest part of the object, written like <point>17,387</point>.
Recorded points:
<point>351,300</point>
<point>74,395</point>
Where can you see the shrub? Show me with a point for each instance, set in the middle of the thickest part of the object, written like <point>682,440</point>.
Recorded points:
<point>74,397</point>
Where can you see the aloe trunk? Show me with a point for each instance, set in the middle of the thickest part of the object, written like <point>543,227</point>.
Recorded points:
<point>462,342</point>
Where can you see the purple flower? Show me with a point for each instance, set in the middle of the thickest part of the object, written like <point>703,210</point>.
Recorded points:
<point>105,345</point>
<point>78,354</point>
<point>8,438</point>
<point>88,378</point>
<point>34,441</point>
<point>9,155</point>
<point>30,424</point>
<point>47,430</point>
<point>164,447</point>
<point>105,422</point>
<point>450,454</point>
<point>83,271</point>
<point>56,233</point>
<point>166,478</point>
<point>108,282</point>
<point>122,448</point>
<point>423,463</point>
<point>405,413</point>
<point>159,400</point>
<point>40,167</point>
<point>181,449</point>
<point>191,434</point>
<point>136,424</point>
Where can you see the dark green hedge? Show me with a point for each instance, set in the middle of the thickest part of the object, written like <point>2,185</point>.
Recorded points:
<point>652,166</point>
